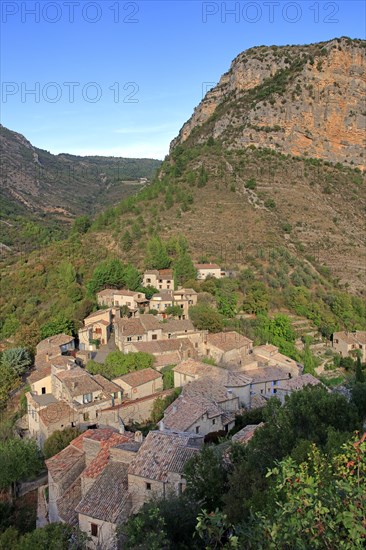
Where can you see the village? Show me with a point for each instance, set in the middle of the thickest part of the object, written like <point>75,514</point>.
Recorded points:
<point>109,471</point>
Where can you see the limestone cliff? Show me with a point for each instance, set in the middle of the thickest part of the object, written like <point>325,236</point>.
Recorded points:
<point>300,100</point>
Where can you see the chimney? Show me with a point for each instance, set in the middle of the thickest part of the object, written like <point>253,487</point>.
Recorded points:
<point>175,408</point>
<point>161,425</point>
<point>47,356</point>
<point>139,437</point>
<point>122,427</point>
<point>229,393</point>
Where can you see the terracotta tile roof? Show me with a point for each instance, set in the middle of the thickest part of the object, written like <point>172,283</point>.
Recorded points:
<point>165,273</point>
<point>78,441</point>
<point>55,412</point>
<point>299,382</point>
<point>209,387</point>
<point>177,325</point>
<point>57,340</point>
<point>195,368</point>
<point>180,458</point>
<point>206,266</point>
<point>98,464</point>
<point>108,386</point>
<point>67,503</point>
<point>149,322</point>
<point>267,374</point>
<point>109,292</point>
<point>227,341</point>
<point>108,499</point>
<point>163,346</point>
<point>97,314</point>
<point>171,358</point>
<point>139,377</point>
<point>78,381</point>
<point>356,337</point>
<point>155,458</point>
<point>186,410</point>
<point>63,462</point>
<point>39,374</point>
<point>246,433</point>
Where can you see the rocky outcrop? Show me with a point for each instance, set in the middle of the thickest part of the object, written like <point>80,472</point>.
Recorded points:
<point>299,100</point>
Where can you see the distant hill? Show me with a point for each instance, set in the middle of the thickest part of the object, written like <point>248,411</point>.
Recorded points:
<point>37,184</point>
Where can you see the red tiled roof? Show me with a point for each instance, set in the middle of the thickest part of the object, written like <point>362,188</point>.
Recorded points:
<point>139,377</point>
<point>227,341</point>
<point>97,465</point>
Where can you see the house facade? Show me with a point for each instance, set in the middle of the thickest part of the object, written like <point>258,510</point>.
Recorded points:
<point>348,343</point>
<point>227,348</point>
<point>208,270</point>
<point>140,383</point>
<point>162,279</point>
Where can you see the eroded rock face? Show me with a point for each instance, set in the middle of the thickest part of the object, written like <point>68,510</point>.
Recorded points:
<point>299,100</point>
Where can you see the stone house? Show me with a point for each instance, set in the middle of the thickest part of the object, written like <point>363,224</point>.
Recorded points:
<point>227,348</point>
<point>115,299</point>
<point>56,345</point>
<point>157,469</point>
<point>103,477</point>
<point>97,326</point>
<point>208,270</point>
<point>269,355</point>
<point>183,298</point>
<point>166,352</point>
<point>140,383</point>
<point>265,381</point>
<point>40,378</point>
<point>205,405</point>
<point>162,279</point>
<point>348,343</point>
<point>145,328</point>
<point>287,387</point>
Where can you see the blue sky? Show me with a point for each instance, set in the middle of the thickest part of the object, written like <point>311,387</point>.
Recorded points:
<point>120,78</point>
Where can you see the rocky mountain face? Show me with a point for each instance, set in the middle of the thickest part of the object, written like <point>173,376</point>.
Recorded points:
<point>300,100</point>
<point>35,181</point>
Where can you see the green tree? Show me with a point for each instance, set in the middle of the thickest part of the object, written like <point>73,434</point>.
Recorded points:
<point>126,241</point>
<point>161,403</point>
<point>207,478</point>
<point>81,224</point>
<point>318,504</point>
<point>19,459</point>
<point>132,277</point>
<point>171,521</point>
<point>8,381</point>
<point>107,273</point>
<point>144,531</point>
<point>59,536</point>
<point>118,363</point>
<point>206,318</point>
<point>359,375</point>
<point>176,311</point>
<point>156,254</point>
<point>9,326</point>
<point>59,324</point>
<point>57,441</point>
<point>184,269</point>
<point>66,275</point>
<point>18,360</point>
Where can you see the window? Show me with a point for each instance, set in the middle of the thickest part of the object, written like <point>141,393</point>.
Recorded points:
<point>94,530</point>
<point>214,421</point>
<point>154,337</point>
<point>43,390</point>
<point>139,338</point>
<point>86,417</point>
<point>148,486</point>
<point>129,338</point>
<point>148,280</point>
<point>87,398</point>
<point>197,429</point>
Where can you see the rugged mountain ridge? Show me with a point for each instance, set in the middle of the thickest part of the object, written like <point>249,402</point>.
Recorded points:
<point>36,181</point>
<point>299,100</point>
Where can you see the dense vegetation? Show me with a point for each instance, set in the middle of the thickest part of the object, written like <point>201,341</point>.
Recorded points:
<point>304,473</point>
